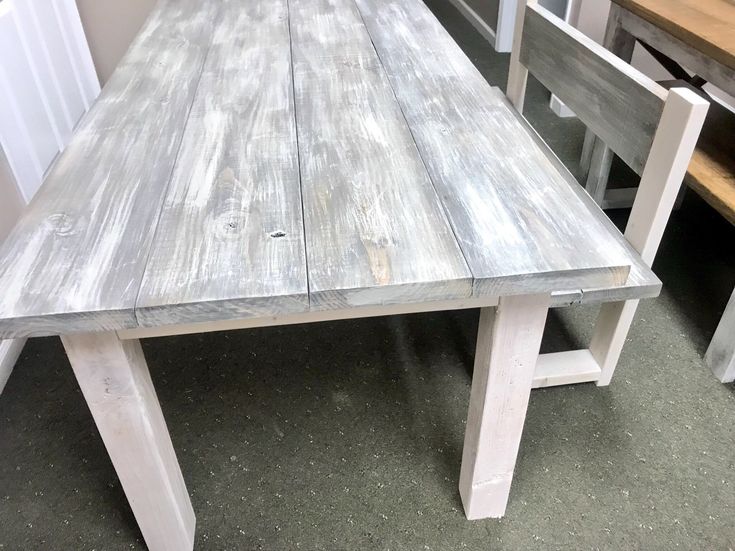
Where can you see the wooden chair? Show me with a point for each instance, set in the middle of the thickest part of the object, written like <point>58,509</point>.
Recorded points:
<point>654,131</point>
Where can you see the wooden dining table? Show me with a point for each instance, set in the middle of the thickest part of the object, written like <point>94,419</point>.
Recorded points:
<point>255,163</point>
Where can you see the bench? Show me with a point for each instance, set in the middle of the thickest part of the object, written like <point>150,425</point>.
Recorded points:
<point>711,174</point>
<point>258,163</point>
<point>700,36</point>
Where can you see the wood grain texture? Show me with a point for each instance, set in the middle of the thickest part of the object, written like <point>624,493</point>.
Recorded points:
<point>375,229</point>
<point>77,255</point>
<point>618,103</point>
<point>708,25</point>
<point>520,224</point>
<point>641,281</point>
<point>230,240</point>
<point>710,68</point>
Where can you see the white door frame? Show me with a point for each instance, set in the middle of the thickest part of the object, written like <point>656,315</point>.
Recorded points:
<point>500,38</point>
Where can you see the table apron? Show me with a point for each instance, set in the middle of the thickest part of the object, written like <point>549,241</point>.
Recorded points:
<point>711,70</point>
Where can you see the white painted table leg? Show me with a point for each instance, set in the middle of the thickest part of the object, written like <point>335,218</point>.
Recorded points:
<point>508,344</point>
<point>115,381</point>
<point>720,355</point>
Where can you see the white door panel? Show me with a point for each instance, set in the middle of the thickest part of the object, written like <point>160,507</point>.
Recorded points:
<point>47,82</point>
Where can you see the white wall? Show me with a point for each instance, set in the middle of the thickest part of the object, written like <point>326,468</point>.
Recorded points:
<point>11,204</point>
<point>110,26</point>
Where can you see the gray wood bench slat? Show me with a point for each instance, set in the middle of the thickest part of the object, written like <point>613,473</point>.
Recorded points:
<point>641,281</point>
<point>230,241</point>
<point>76,258</point>
<point>375,229</point>
<point>520,224</point>
<point>631,107</point>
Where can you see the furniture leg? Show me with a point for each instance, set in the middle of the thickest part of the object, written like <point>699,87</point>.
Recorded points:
<point>596,156</point>
<point>508,343</point>
<point>116,384</point>
<point>673,145</point>
<point>585,161</point>
<point>599,169</point>
<point>611,330</point>
<point>720,355</point>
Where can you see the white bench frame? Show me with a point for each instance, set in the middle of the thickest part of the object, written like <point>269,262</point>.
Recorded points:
<point>673,144</point>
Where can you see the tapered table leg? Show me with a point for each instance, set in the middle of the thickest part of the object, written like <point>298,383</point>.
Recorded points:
<point>721,352</point>
<point>508,345</point>
<point>115,381</point>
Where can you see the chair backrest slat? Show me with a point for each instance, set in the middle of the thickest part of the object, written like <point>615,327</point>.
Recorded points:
<point>618,103</point>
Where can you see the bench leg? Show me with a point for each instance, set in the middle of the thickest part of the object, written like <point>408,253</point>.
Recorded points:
<point>508,343</point>
<point>114,379</point>
<point>611,330</point>
<point>720,355</point>
<point>599,170</point>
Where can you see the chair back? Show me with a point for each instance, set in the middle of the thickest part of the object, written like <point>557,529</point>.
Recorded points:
<point>618,103</point>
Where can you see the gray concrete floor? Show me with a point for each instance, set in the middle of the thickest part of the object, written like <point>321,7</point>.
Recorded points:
<point>348,435</point>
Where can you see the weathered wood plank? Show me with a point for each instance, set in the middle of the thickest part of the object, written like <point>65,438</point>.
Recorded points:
<point>75,260</point>
<point>375,229</point>
<point>707,26</point>
<point>521,226</point>
<point>681,50</point>
<point>619,104</point>
<point>641,281</point>
<point>230,240</point>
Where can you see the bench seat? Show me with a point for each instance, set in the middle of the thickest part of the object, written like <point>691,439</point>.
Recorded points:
<point>185,198</point>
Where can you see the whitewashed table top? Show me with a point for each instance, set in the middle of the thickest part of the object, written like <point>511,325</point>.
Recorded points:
<point>254,157</point>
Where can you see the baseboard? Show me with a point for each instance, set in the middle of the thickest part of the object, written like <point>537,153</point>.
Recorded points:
<point>471,15</point>
<point>560,108</point>
<point>9,352</point>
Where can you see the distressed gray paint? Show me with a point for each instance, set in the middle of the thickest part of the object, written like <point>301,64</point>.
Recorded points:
<point>76,258</point>
<point>616,102</point>
<point>641,281</point>
<point>375,230</point>
<point>521,226</point>
<point>230,239</point>
<point>376,233</point>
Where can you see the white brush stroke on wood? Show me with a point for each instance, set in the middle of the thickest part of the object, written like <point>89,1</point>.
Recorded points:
<point>78,253</point>
<point>230,238</point>
<point>375,229</point>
